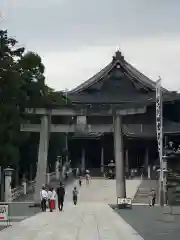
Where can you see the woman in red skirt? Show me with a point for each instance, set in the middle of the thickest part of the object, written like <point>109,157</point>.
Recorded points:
<point>52,200</point>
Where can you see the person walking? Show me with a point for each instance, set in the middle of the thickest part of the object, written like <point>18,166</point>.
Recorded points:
<point>44,198</point>
<point>52,199</point>
<point>49,198</point>
<point>87,177</point>
<point>66,176</point>
<point>60,194</point>
<point>152,198</point>
<point>80,181</point>
<point>75,195</point>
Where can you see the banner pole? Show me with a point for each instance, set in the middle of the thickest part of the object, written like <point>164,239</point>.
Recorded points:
<point>159,130</point>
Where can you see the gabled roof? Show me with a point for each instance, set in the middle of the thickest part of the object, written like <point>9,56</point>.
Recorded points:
<point>130,71</point>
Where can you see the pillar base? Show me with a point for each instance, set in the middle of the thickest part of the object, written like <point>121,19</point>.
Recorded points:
<point>124,206</point>
<point>161,195</point>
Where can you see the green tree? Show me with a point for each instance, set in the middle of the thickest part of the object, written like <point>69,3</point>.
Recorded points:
<point>22,84</point>
<point>10,99</point>
<point>32,74</point>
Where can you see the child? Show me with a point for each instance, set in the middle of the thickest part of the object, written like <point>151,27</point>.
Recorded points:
<point>80,181</point>
<point>75,195</point>
<point>87,176</point>
<point>152,198</point>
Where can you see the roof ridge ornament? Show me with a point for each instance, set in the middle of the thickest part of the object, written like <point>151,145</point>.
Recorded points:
<point>118,56</point>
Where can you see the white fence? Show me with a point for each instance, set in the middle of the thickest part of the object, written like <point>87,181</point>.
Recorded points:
<point>28,187</point>
<point>16,192</point>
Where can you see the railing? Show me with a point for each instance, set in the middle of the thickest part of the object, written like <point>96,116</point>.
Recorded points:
<point>28,187</point>
<point>16,192</point>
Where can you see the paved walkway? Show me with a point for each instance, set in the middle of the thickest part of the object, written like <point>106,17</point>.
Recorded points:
<point>102,190</point>
<point>91,219</point>
<point>19,209</point>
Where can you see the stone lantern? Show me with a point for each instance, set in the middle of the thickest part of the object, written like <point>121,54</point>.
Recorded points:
<point>8,178</point>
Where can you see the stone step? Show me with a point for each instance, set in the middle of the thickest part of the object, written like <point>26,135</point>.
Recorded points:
<point>142,195</point>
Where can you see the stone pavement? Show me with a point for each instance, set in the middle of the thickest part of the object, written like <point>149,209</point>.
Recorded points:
<point>91,219</point>
<point>19,209</point>
<point>103,190</point>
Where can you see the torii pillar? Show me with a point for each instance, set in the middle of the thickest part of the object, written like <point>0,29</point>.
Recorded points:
<point>42,157</point>
<point>119,157</point>
<point>83,159</point>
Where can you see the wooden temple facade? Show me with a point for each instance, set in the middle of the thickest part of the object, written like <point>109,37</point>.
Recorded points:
<point>120,85</point>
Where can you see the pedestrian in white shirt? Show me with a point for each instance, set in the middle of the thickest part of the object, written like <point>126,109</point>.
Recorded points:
<point>44,198</point>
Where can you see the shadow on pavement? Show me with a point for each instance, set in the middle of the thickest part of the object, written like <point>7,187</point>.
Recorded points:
<point>152,223</point>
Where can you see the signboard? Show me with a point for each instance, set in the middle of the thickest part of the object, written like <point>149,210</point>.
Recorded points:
<point>4,214</point>
<point>124,201</point>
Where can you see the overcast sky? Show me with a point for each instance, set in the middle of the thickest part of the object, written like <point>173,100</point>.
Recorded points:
<point>76,38</point>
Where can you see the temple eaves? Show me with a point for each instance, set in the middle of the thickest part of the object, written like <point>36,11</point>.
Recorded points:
<point>132,72</point>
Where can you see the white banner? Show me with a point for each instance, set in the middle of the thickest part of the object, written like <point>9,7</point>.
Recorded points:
<point>159,119</point>
<point>4,215</point>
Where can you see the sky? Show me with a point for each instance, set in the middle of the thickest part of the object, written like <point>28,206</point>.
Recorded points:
<point>77,38</point>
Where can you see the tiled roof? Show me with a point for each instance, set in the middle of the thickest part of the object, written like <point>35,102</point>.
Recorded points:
<point>131,71</point>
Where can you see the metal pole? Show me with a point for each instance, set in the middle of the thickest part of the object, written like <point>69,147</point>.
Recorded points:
<point>159,129</point>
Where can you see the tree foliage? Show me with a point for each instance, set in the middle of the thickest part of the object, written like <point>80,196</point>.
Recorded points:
<point>22,84</point>
<point>11,97</point>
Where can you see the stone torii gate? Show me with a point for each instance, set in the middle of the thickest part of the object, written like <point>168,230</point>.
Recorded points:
<point>46,127</point>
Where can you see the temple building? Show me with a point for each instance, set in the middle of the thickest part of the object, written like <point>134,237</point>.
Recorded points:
<point>111,119</point>
<point>120,85</point>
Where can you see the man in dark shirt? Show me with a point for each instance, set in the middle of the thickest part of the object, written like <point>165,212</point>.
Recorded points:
<point>60,194</point>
